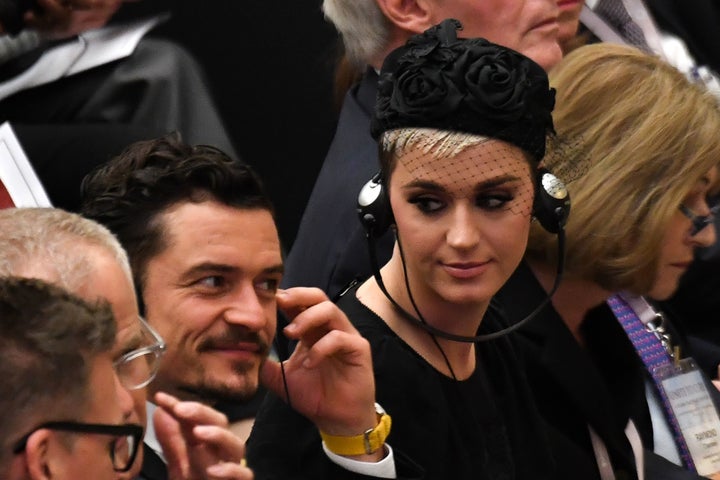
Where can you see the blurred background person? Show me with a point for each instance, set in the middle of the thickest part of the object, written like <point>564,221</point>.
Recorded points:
<point>133,86</point>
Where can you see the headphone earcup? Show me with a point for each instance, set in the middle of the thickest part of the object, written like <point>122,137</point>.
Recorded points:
<point>373,207</point>
<point>551,206</point>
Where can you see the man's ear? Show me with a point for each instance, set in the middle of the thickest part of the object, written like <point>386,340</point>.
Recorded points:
<point>38,455</point>
<point>413,16</point>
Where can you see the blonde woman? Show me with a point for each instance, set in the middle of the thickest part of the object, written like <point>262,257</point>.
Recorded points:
<point>640,158</point>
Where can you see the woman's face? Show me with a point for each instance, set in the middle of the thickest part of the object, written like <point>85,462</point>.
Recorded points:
<point>679,244</point>
<point>462,222</point>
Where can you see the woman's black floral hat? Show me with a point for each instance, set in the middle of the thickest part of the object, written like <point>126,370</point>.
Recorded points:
<point>437,80</point>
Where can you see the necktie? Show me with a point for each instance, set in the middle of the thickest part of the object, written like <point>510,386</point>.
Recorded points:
<point>614,12</point>
<point>653,354</point>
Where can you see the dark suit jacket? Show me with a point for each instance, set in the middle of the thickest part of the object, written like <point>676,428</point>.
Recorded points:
<point>570,389</point>
<point>71,125</point>
<point>153,468</point>
<point>602,384</point>
<point>330,249</point>
<point>697,22</point>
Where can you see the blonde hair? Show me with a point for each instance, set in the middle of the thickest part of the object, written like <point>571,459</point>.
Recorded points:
<point>642,136</point>
<point>437,143</point>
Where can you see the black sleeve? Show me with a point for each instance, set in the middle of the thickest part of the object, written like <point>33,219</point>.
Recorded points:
<point>695,22</point>
<point>659,468</point>
<point>284,445</point>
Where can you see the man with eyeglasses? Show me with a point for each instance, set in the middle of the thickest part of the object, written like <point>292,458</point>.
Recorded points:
<point>84,258</point>
<point>65,413</point>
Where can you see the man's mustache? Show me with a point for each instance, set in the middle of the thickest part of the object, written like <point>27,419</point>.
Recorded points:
<point>233,337</point>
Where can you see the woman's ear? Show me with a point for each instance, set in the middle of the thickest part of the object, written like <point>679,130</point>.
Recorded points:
<point>413,16</point>
<point>38,455</point>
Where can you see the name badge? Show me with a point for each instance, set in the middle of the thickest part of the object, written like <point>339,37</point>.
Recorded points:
<point>690,402</point>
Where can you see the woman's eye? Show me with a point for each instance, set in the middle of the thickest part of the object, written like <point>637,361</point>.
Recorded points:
<point>493,201</point>
<point>427,204</point>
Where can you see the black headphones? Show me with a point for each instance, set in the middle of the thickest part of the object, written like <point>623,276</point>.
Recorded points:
<point>551,206</point>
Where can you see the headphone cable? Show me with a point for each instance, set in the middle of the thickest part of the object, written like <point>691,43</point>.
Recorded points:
<point>422,323</point>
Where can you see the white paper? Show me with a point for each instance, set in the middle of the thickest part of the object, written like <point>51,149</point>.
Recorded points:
<point>16,173</point>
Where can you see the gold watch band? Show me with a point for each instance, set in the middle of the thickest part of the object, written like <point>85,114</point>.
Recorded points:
<point>368,442</point>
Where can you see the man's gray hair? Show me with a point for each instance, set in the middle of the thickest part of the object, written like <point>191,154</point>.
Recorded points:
<point>364,28</point>
<point>53,241</point>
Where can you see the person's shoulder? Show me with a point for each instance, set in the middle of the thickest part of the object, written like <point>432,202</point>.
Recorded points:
<point>392,357</point>
<point>368,323</point>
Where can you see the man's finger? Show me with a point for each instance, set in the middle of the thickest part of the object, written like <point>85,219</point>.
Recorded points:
<point>169,435</point>
<point>228,470</point>
<point>191,412</point>
<point>227,446</point>
<point>316,321</point>
<point>351,349</point>
<point>295,300</point>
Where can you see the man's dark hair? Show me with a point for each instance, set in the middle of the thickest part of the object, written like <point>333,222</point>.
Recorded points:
<point>130,192</point>
<point>48,339</point>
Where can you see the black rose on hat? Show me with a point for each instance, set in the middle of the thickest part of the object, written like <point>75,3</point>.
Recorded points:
<point>470,85</point>
<point>422,92</point>
<point>496,78</point>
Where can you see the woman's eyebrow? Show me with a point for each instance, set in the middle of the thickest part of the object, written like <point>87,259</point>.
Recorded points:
<point>424,184</point>
<point>497,181</point>
<point>485,184</point>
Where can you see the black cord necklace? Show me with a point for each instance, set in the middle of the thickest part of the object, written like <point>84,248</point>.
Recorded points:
<point>436,332</point>
<point>463,338</point>
<point>420,316</point>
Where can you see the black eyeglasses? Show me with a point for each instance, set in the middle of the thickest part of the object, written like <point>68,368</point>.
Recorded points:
<point>122,451</point>
<point>137,368</point>
<point>699,221</point>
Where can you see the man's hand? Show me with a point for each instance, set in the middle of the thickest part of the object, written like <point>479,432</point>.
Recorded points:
<point>196,441</point>
<point>329,376</point>
<point>57,19</point>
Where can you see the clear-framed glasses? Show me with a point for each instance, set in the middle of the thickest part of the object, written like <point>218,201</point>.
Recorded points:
<point>138,367</point>
<point>700,221</point>
<point>123,449</point>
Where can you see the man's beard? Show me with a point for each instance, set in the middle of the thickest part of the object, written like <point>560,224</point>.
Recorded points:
<point>211,391</point>
<point>240,386</point>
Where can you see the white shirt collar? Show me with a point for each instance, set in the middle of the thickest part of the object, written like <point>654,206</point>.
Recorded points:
<point>150,437</point>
